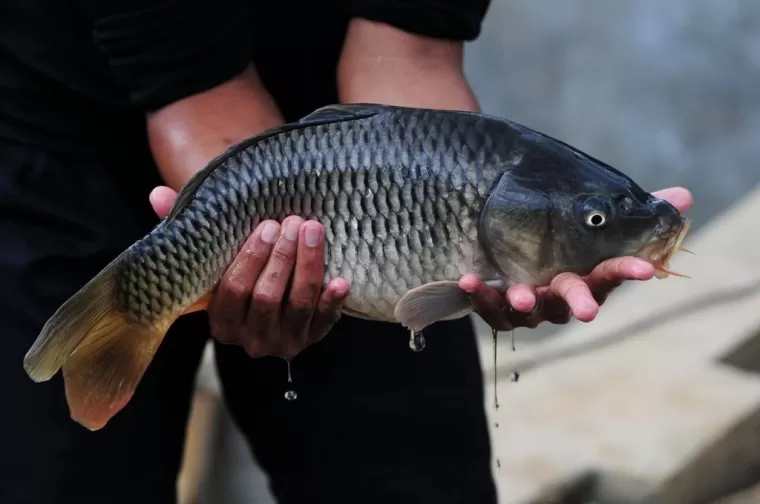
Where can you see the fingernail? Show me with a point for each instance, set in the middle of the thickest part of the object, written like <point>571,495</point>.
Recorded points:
<point>291,230</point>
<point>468,287</point>
<point>525,299</point>
<point>312,235</point>
<point>269,233</point>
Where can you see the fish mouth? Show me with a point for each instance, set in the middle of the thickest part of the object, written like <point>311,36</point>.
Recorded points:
<point>660,253</point>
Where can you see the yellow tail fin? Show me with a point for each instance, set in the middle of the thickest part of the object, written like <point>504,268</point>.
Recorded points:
<point>104,353</point>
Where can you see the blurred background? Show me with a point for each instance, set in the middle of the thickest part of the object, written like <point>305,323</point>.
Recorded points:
<point>666,91</point>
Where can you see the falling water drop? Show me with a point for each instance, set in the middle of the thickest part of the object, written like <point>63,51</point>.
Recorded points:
<point>290,394</point>
<point>416,341</point>
<point>495,334</point>
<point>514,376</point>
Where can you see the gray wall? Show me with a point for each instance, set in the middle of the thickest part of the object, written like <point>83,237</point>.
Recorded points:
<point>666,91</point>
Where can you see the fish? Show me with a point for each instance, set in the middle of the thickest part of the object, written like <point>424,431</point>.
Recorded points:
<point>411,200</point>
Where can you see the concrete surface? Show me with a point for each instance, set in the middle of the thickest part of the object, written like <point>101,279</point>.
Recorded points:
<point>667,92</point>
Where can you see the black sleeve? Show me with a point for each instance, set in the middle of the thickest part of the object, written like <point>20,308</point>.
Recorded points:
<point>445,19</point>
<point>161,51</point>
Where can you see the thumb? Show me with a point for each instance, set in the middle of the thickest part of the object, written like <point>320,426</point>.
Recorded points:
<point>162,199</point>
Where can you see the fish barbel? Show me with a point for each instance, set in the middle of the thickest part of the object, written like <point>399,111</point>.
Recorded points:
<point>411,200</point>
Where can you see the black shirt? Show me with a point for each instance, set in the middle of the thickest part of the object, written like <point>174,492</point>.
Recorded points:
<point>76,76</point>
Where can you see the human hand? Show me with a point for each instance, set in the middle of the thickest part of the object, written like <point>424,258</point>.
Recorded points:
<point>252,306</point>
<point>568,294</point>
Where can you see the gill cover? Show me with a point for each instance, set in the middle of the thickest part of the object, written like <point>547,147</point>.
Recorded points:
<point>515,228</point>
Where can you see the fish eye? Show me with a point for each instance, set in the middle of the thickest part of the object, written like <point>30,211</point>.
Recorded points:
<point>596,219</point>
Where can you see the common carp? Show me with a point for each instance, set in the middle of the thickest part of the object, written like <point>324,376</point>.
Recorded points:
<point>411,200</point>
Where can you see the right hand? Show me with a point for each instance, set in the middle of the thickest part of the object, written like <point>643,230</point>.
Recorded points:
<point>253,307</point>
<point>568,294</point>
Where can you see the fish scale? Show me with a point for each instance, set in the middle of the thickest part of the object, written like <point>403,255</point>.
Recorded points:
<point>397,196</point>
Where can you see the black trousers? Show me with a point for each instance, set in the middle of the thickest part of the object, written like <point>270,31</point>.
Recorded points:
<point>374,422</point>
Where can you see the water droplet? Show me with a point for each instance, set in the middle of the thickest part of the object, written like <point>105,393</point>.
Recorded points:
<point>290,394</point>
<point>498,463</point>
<point>495,334</point>
<point>416,341</point>
<point>496,425</point>
<point>514,376</point>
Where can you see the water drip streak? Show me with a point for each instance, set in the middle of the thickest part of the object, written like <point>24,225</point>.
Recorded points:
<point>290,394</point>
<point>495,334</point>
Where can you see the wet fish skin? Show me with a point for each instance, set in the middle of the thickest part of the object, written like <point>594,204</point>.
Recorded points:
<point>387,231</point>
<point>411,200</point>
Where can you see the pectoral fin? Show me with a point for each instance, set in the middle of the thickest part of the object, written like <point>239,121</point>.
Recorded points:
<point>432,302</point>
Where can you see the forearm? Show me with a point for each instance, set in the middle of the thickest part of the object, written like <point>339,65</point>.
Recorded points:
<point>186,134</point>
<point>383,64</point>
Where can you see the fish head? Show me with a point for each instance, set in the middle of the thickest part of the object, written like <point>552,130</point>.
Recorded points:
<point>559,210</point>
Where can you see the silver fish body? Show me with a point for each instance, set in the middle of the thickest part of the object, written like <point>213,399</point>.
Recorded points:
<point>399,192</point>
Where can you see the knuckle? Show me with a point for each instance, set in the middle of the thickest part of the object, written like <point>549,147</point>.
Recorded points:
<point>255,249</point>
<point>283,255</point>
<point>562,283</point>
<point>236,287</point>
<point>265,299</point>
<point>301,309</point>
<point>254,348</point>
<point>222,332</point>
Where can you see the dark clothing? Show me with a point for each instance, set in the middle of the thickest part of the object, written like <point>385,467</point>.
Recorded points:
<point>373,422</point>
<point>77,75</point>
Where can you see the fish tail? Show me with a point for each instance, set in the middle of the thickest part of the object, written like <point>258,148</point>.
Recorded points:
<point>103,352</point>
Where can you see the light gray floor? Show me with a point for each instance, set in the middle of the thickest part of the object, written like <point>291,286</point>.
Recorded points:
<point>668,92</point>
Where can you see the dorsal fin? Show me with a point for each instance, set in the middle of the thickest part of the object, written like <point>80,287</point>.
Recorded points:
<point>342,112</point>
<point>323,115</point>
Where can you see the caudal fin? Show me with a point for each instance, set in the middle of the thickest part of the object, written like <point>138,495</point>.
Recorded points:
<point>103,352</point>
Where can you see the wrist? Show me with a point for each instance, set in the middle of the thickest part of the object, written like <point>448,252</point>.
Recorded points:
<point>383,64</point>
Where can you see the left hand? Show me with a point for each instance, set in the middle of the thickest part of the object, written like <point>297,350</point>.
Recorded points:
<point>568,294</point>
<point>252,306</point>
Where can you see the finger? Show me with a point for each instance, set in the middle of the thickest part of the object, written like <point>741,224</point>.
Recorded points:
<point>610,274</point>
<point>552,307</point>
<point>229,306</point>
<point>679,197</point>
<point>525,306</point>
<point>487,302</point>
<point>305,289</point>
<point>574,291</point>
<point>328,309</point>
<point>522,298</point>
<point>162,200</point>
<point>264,313</point>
